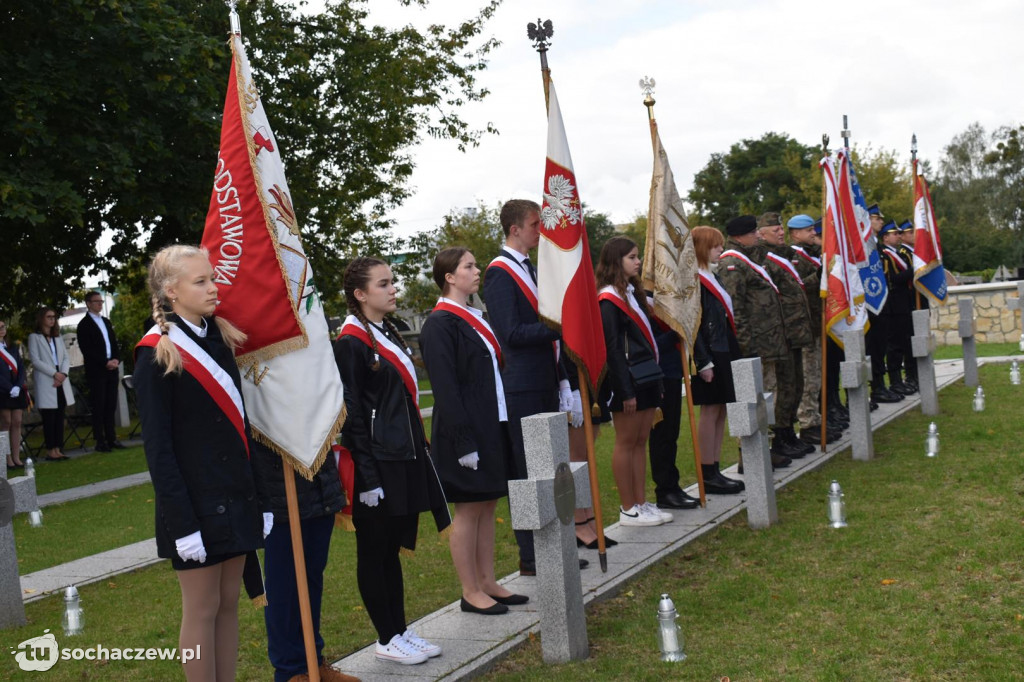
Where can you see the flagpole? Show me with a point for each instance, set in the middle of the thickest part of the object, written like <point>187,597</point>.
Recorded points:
<point>824,312</point>
<point>913,173</point>
<point>292,501</point>
<point>647,85</point>
<point>540,33</point>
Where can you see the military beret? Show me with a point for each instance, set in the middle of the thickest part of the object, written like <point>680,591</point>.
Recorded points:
<point>874,210</point>
<point>889,227</point>
<point>769,219</point>
<point>800,222</point>
<point>741,225</point>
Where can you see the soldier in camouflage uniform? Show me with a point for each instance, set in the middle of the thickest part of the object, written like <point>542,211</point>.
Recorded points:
<point>757,309</point>
<point>796,316</point>
<point>807,261</point>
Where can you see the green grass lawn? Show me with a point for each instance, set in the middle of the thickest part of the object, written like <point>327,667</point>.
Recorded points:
<point>984,350</point>
<point>88,468</point>
<point>798,601</point>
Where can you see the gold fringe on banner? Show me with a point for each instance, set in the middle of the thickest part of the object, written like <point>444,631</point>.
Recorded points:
<point>344,522</point>
<point>260,601</point>
<point>325,449</point>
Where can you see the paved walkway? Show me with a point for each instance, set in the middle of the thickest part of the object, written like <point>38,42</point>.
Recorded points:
<point>91,489</point>
<point>473,644</point>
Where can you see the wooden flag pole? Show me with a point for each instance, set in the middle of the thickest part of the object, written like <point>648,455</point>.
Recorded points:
<point>647,85</point>
<point>305,610</point>
<point>824,331</point>
<point>540,33</point>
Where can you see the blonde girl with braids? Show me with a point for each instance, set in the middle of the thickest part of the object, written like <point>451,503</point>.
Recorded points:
<point>395,478</point>
<point>196,436</point>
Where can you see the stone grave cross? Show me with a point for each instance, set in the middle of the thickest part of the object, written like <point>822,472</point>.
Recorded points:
<point>966,328</point>
<point>16,496</point>
<point>1018,304</point>
<point>922,344</point>
<point>545,503</point>
<point>749,418</point>
<point>854,372</point>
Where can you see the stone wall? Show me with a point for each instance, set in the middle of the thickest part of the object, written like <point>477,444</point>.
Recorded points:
<point>996,322</point>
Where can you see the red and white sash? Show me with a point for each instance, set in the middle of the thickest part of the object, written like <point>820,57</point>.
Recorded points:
<point>787,266</point>
<point>387,349</point>
<point>712,284</point>
<point>896,258</point>
<point>526,285</point>
<point>211,376</point>
<point>808,257</point>
<point>470,317</point>
<point>633,311</point>
<point>752,265</point>
<point>10,361</point>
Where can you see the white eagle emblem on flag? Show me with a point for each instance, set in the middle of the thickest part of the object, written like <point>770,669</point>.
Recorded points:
<point>560,203</point>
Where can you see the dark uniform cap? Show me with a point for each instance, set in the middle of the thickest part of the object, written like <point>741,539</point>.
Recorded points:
<point>906,225</point>
<point>800,222</point>
<point>889,227</point>
<point>874,210</point>
<point>744,224</point>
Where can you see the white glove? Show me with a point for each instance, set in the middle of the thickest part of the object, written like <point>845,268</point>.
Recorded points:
<point>190,547</point>
<point>470,461</point>
<point>371,498</point>
<point>564,396</point>
<point>576,413</point>
<point>268,523</point>
<point>15,391</point>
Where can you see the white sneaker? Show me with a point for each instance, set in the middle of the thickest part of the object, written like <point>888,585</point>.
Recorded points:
<point>399,651</point>
<point>637,517</point>
<point>420,644</point>
<point>650,508</point>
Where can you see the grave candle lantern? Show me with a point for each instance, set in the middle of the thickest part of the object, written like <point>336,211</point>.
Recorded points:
<point>30,467</point>
<point>932,441</point>
<point>979,400</point>
<point>35,518</point>
<point>670,639</point>
<point>1015,373</point>
<point>836,506</point>
<point>73,620</point>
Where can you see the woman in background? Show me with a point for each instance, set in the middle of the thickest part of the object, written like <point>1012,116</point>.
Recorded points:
<point>13,395</point>
<point>52,388</point>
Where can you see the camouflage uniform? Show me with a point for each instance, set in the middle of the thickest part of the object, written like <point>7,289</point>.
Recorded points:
<point>808,413</point>
<point>797,321</point>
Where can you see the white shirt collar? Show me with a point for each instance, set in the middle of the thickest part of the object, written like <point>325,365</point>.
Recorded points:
<point>96,316</point>
<point>519,256</point>
<point>198,331</point>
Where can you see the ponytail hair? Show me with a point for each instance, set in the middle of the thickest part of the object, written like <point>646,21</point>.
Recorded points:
<point>357,276</point>
<point>164,272</point>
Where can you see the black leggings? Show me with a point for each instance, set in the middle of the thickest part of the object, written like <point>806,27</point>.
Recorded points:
<point>53,422</point>
<point>379,572</point>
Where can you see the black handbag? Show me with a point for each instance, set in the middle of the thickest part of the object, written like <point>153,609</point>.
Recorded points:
<point>644,372</point>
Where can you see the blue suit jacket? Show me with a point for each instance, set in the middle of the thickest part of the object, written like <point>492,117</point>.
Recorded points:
<point>526,342</point>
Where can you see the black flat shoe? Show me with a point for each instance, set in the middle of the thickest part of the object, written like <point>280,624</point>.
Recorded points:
<point>678,500</point>
<point>511,600</point>
<point>608,542</point>
<point>493,610</point>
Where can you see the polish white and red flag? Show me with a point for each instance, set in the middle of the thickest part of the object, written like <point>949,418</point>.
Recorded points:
<point>841,288</point>
<point>265,284</point>
<point>566,289</point>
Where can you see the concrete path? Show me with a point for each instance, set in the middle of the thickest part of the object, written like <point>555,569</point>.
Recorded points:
<point>473,644</point>
<point>91,489</point>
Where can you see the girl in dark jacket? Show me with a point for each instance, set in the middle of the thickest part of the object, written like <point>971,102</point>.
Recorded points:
<point>713,352</point>
<point>197,441</point>
<point>470,426</point>
<point>13,395</point>
<point>629,339</point>
<point>394,475</point>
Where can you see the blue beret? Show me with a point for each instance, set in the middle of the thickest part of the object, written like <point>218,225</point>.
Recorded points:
<point>817,226</point>
<point>889,227</point>
<point>874,210</point>
<point>800,222</point>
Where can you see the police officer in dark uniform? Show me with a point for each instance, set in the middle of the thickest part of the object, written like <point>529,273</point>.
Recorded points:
<point>897,309</point>
<point>877,337</point>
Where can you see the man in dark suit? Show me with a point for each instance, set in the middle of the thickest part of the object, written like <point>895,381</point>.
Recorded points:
<point>102,357</point>
<point>531,376</point>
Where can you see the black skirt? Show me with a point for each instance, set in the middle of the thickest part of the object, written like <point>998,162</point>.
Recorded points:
<point>458,494</point>
<point>720,390</point>
<point>647,397</point>
<point>179,564</point>
<point>19,403</point>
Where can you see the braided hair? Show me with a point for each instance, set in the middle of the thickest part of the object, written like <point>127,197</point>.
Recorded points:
<point>357,276</point>
<point>164,272</point>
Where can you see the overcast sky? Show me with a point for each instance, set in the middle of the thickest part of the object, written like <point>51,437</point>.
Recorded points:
<point>725,70</point>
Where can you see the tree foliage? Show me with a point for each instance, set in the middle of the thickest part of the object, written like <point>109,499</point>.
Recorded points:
<point>112,123</point>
